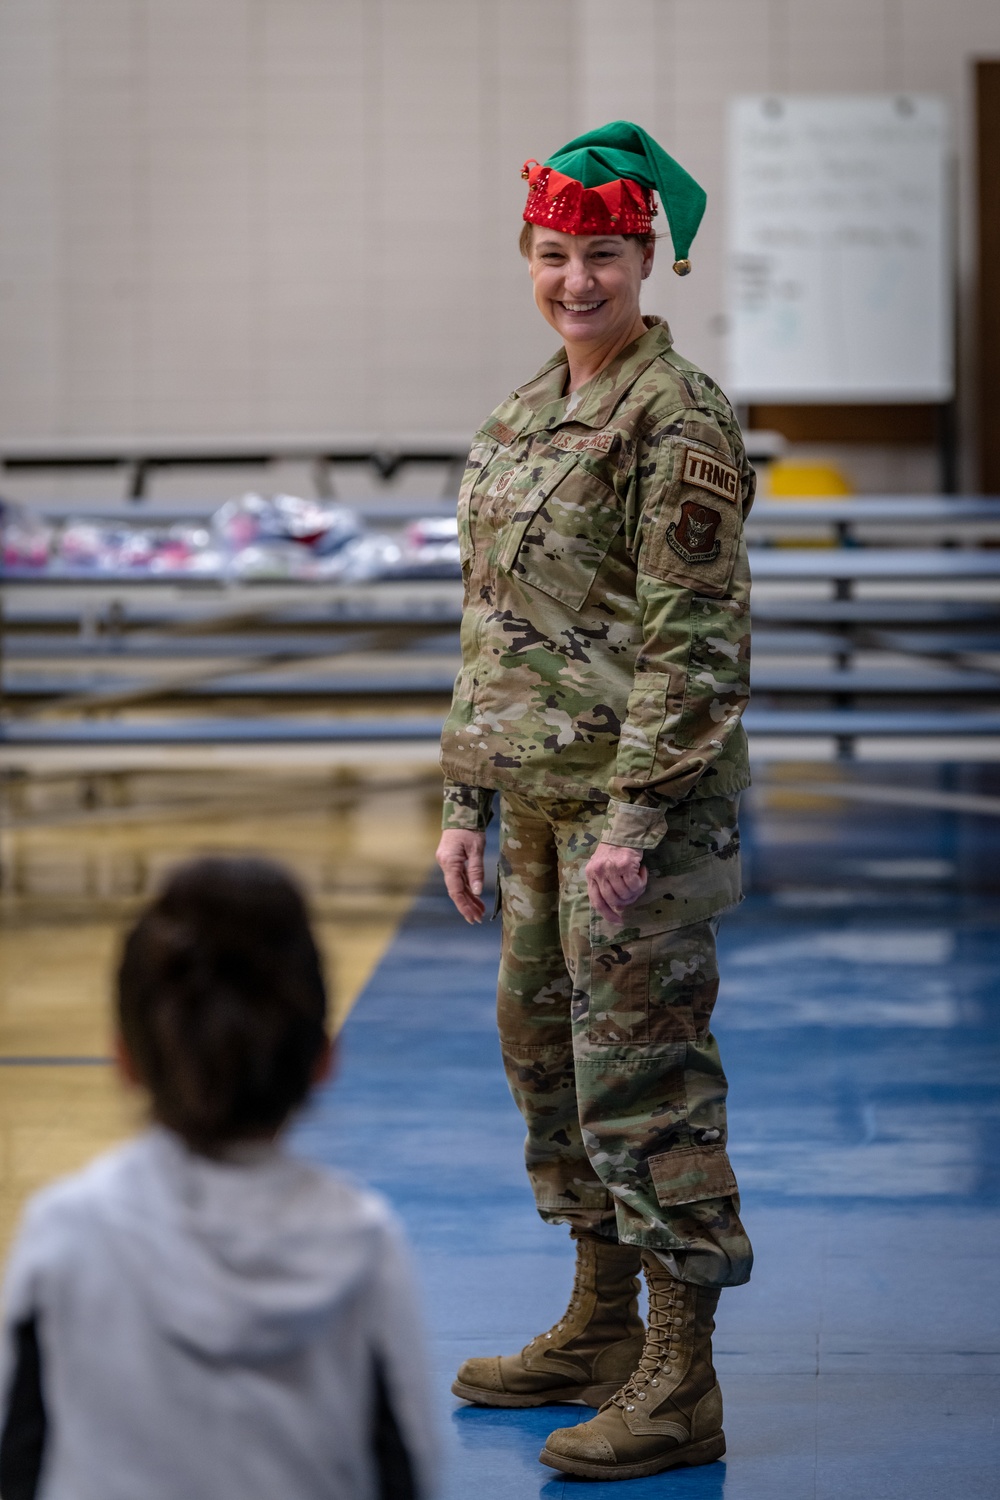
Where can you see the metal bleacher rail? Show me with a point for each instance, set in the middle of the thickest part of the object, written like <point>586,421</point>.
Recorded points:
<point>874,619</point>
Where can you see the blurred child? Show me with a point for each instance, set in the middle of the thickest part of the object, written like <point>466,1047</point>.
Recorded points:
<point>199,1315</point>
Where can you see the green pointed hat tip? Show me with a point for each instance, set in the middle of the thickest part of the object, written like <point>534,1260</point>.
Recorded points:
<point>622,149</point>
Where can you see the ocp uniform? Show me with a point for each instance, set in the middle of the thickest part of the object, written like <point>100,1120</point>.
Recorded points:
<point>605,659</point>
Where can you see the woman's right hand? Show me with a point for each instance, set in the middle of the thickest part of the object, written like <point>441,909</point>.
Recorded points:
<point>460,855</point>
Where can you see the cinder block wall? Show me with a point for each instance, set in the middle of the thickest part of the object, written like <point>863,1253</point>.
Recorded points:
<point>234,217</point>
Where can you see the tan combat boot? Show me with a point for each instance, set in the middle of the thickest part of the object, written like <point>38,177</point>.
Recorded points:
<point>587,1354</point>
<point>669,1412</point>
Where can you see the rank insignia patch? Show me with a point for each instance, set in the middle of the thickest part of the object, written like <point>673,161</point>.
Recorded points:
<point>693,537</point>
<point>711,474</point>
<point>503,484</point>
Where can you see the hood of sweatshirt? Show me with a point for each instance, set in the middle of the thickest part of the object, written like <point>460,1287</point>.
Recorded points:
<point>247,1257</point>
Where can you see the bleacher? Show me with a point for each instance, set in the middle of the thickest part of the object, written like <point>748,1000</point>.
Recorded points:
<point>875,619</point>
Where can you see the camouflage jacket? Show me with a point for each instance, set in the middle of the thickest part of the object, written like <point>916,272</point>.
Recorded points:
<point>605,635</point>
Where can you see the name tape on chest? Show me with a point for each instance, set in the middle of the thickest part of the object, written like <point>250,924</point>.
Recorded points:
<point>501,432</point>
<point>711,474</point>
<point>595,442</point>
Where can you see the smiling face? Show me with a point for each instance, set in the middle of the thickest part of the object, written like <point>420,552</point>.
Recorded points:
<point>587,285</point>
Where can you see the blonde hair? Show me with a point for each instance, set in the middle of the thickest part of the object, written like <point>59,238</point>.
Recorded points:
<point>524,242</point>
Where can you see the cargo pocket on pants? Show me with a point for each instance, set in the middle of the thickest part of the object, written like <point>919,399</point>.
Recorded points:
<point>690,1174</point>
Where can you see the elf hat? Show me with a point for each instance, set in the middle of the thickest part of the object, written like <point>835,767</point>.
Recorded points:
<point>603,183</point>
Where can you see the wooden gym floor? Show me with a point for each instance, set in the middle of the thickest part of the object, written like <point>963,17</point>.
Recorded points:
<point>80,856</point>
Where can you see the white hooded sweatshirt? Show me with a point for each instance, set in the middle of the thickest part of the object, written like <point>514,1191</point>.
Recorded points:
<point>179,1328</point>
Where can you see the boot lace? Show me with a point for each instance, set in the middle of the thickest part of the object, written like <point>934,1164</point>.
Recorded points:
<point>575,1297</point>
<point>664,1318</point>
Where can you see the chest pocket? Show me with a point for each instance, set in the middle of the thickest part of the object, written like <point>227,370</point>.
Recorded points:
<point>560,533</point>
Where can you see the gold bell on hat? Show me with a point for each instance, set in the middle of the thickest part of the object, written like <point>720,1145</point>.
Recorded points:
<point>682,267</point>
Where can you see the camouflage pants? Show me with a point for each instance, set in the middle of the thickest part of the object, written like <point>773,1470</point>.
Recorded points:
<point>605,1038</point>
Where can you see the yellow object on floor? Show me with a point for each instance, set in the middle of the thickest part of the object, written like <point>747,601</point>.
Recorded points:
<point>797,479</point>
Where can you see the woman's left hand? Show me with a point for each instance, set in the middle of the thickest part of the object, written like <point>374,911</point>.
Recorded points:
<point>616,877</point>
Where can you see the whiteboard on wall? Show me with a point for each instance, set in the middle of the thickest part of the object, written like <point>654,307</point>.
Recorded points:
<point>839,249</point>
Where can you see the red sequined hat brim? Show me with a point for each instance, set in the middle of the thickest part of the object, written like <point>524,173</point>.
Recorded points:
<point>559,202</point>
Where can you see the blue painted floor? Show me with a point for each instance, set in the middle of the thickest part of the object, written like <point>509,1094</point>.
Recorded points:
<point>860,1024</point>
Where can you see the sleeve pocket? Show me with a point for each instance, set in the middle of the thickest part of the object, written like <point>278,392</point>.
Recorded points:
<point>694,531</point>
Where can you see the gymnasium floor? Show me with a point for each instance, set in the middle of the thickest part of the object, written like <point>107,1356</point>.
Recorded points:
<point>860,1022</point>
<point>80,855</point>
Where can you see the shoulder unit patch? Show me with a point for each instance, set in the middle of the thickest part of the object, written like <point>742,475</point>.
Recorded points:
<point>694,535</point>
<point>707,473</point>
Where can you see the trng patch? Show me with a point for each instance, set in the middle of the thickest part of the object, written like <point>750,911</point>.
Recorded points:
<point>707,473</point>
<point>694,535</point>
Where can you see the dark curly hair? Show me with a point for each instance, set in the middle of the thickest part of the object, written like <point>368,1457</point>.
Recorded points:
<point>221,1001</point>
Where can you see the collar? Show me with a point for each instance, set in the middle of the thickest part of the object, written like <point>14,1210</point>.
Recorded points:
<point>545,398</point>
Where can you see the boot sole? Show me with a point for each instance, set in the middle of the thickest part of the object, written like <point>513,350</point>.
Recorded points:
<point>571,1395</point>
<point>692,1454</point>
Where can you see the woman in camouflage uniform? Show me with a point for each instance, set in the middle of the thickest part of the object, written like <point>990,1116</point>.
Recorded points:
<point>605,657</point>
